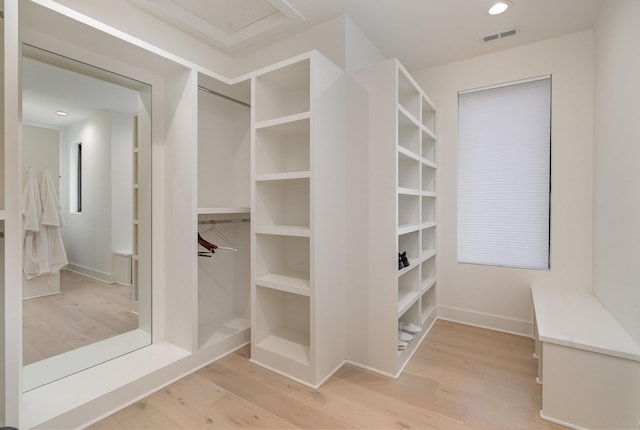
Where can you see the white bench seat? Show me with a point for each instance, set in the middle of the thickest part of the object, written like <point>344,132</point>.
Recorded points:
<point>578,320</point>
<point>588,364</point>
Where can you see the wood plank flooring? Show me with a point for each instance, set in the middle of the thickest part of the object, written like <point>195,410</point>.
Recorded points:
<point>461,377</point>
<point>85,311</point>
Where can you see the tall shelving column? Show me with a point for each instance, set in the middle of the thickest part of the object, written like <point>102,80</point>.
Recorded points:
<point>392,145</point>
<point>135,254</point>
<point>298,226</point>
<point>428,233</point>
<point>141,230</point>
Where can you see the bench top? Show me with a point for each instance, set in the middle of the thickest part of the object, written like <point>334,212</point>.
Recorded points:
<point>577,319</point>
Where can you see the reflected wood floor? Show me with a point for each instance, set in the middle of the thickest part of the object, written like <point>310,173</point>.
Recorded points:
<point>461,377</point>
<point>85,311</point>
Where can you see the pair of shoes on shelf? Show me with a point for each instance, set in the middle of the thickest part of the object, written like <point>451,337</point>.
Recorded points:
<point>402,345</point>
<point>409,327</point>
<point>404,336</point>
<point>403,261</point>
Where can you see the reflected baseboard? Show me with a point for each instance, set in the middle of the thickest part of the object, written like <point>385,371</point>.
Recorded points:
<point>40,286</point>
<point>57,367</point>
<point>91,273</point>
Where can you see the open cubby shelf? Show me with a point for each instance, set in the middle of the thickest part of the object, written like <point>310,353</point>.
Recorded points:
<point>283,92</point>
<point>408,95</point>
<point>298,198</point>
<point>282,202</point>
<point>283,320</point>
<point>289,344</point>
<point>408,134</point>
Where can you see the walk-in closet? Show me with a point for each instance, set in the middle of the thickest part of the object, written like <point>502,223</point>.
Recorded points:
<point>232,199</point>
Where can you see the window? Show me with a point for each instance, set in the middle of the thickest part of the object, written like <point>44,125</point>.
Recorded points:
<point>504,175</point>
<point>75,183</point>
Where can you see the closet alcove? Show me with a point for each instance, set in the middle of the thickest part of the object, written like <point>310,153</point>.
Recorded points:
<point>223,155</point>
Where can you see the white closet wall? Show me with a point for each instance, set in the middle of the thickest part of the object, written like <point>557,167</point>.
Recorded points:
<point>224,141</point>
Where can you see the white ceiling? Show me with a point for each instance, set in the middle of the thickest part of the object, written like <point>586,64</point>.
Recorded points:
<point>47,89</point>
<point>421,33</point>
<point>226,24</point>
<point>424,33</point>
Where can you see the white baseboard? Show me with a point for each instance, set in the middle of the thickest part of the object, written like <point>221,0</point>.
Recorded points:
<point>492,322</point>
<point>560,422</point>
<point>91,273</point>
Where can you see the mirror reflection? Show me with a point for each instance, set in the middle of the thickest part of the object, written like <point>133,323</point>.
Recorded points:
<point>86,214</point>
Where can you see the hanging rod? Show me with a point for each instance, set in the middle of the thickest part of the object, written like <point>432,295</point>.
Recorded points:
<point>207,90</point>
<point>223,221</point>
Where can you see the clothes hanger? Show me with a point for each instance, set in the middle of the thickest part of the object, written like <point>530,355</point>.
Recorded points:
<point>224,238</point>
<point>206,244</point>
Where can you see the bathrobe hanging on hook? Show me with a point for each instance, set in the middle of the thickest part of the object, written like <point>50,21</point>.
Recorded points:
<point>52,222</point>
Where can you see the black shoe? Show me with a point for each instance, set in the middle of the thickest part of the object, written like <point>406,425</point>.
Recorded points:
<point>404,259</point>
<point>400,265</point>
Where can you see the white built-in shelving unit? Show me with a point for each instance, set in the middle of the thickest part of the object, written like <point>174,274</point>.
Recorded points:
<point>397,137</point>
<point>223,155</point>
<point>141,206</point>
<point>314,278</point>
<point>135,242</point>
<point>298,225</point>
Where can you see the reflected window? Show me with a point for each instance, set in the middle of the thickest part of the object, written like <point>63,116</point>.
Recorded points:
<point>75,178</point>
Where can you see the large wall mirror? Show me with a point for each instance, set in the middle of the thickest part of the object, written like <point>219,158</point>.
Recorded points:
<point>86,162</point>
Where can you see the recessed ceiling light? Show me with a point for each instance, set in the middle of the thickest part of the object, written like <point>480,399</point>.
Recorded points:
<point>499,7</point>
<point>61,113</point>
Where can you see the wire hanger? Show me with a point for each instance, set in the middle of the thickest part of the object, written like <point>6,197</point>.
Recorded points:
<point>224,238</point>
<point>211,247</point>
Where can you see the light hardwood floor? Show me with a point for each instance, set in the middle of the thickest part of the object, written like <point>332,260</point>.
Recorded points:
<point>85,311</point>
<point>461,377</point>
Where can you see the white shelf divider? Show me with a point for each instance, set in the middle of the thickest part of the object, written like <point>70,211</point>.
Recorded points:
<point>224,210</point>
<point>292,283</point>
<point>286,125</point>
<point>305,174</point>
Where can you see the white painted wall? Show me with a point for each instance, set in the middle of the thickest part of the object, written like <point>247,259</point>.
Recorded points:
<point>224,141</point>
<point>359,50</point>
<point>616,166</point>
<point>90,236</point>
<point>497,297</point>
<point>40,150</point>
<point>338,39</point>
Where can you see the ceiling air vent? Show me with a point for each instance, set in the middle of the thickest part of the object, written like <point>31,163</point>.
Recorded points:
<point>501,35</point>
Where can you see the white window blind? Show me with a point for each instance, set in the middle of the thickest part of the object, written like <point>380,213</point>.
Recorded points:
<point>504,175</point>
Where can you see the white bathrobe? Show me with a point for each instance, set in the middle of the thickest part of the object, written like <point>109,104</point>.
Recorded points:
<point>51,222</point>
<point>34,259</point>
